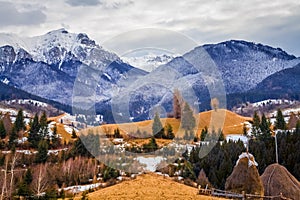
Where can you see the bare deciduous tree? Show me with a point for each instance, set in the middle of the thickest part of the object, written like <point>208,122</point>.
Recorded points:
<point>40,182</point>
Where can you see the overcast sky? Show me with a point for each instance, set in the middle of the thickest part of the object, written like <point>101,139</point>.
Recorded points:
<point>274,22</point>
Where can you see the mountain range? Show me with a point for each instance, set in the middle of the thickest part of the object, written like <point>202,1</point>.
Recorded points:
<point>72,68</point>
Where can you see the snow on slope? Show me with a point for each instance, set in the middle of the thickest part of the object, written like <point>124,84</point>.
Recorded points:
<point>53,47</point>
<point>148,62</point>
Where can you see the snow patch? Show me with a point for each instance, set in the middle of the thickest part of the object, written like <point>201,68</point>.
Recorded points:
<point>251,160</point>
<point>150,162</point>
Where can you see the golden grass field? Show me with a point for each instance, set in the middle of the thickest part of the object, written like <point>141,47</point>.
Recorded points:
<point>146,187</point>
<point>229,122</point>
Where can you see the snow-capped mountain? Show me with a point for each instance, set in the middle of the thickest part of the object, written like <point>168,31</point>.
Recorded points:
<point>240,65</point>
<point>57,46</point>
<point>148,62</point>
<point>48,65</point>
<point>244,64</point>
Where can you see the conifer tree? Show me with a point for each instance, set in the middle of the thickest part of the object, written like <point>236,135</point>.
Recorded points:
<point>221,135</point>
<point>280,122</point>
<point>2,130</point>
<point>55,140</point>
<point>177,104</point>
<point>245,132</point>
<point>74,135</point>
<point>256,125</point>
<point>19,123</point>
<point>42,154</point>
<point>117,133</point>
<point>157,128</point>
<point>204,133</point>
<point>169,131</point>
<point>24,189</point>
<point>34,137</point>
<point>188,121</point>
<point>151,146</point>
<point>12,137</point>
<point>265,128</point>
<point>43,125</point>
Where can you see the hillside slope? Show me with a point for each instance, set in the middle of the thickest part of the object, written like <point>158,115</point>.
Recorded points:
<point>149,186</point>
<point>229,122</point>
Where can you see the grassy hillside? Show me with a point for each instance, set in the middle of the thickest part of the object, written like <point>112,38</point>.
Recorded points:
<point>229,122</point>
<point>149,186</point>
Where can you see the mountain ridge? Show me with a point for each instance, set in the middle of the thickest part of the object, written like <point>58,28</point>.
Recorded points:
<point>49,68</point>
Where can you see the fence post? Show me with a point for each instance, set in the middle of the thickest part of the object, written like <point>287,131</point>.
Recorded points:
<point>244,195</point>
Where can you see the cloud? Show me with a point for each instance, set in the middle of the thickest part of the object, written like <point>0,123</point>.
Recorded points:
<point>83,2</point>
<point>274,23</point>
<point>10,15</point>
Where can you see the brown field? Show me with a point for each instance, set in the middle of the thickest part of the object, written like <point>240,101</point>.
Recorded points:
<point>229,122</point>
<point>146,187</point>
<point>64,134</point>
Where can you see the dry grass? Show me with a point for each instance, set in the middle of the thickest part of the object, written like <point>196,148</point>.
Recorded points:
<point>64,134</point>
<point>277,179</point>
<point>146,187</point>
<point>245,178</point>
<point>229,122</point>
<point>143,126</point>
<point>56,118</point>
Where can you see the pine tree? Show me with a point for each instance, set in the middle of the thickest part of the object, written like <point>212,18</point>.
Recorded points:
<point>265,128</point>
<point>157,128</point>
<point>28,176</point>
<point>117,133</point>
<point>256,125</point>
<point>55,140</point>
<point>245,131</point>
<point>176,104</point>
<point>188,121</point>
<point>12,137</point>
<point>221,135</point>
<point>24,189</point>
<point>2,130</point>
<point>204,133</point>
<point>169,131</point>
<point>19,123</point>
<point>42,153</point>
<point>280,123</point>
<point>74,135</point>
<point>34,137</point>
<point>43,125</point>
<point>151,146</point>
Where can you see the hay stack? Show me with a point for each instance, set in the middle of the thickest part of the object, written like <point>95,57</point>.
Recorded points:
<point>245,176</point>
<point>202,179</point>
<point>277,179</point>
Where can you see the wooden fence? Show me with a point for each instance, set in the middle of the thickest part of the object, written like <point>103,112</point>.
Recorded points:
<point>233,195</point>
